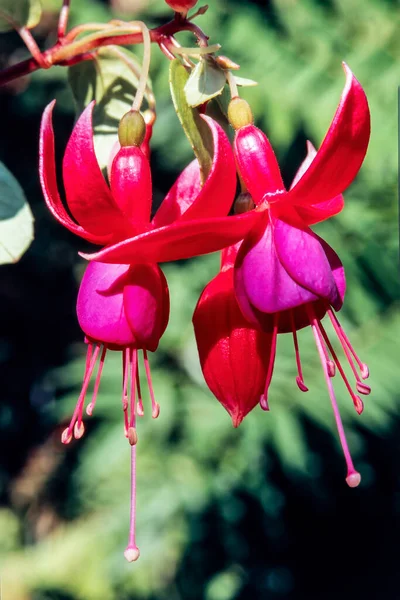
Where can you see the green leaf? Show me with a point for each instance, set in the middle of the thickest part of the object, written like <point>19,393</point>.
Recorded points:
<point>16,220</point>
<point>194,127</point>
<point>206,81</point>
<point>113,85</point>
<point>19,13</point>
<point>243,82</point>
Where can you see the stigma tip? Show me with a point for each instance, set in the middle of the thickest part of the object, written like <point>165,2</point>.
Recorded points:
<point>132,553</point>
<point>353,480</point>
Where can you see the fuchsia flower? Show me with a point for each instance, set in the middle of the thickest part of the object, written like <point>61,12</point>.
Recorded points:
<point>120,306</point>
<point>234,355</point>
<point>285,276</point>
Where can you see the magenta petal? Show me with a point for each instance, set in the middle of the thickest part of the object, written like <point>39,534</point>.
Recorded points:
<point>131,187</point>
<point>302,255</point>
<point>100,306</point>
<point>180,240</point>
<point>261,281</point>
<point>88,196</point>
<point>257,164</point>
<point>337,271</point>
<point>48,180</point>
<point>146,303</point>
<point>342,152</point>
<point>188,199</point>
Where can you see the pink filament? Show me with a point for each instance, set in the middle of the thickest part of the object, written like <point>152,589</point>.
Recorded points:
<point>90,407</point>
<point>358,403</point>
<point>133,361</point>
<point>345,341</point>
<point>125,375</point>
<point>155,407</point>
<point>351,472</point>
<point>299,379</point>
<point>140,407</point>
<point>86,379</point>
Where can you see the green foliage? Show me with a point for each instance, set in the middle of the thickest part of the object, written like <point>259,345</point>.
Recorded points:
<point>111,80</point>
<point>16,219</point>
<point>206,81</point>
<point>19,13</point>
<point>196,130</point>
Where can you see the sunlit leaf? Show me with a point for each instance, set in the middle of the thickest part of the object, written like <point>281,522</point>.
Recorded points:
<point>243,82</point>
<point>206,81</point>
<point>113,85</point>
<point>16,220</point>
<point>196,130</point>
<point>19,13</point>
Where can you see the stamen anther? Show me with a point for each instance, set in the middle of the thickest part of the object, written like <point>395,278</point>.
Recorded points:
<point>132,436</point>
<point>155,410</point>
<point>66,436</point>
<point>264,403</point>
<point>301,385</point>
<point>79,430</point>
<point>364,371</point>
<point>362,388</point>
<point>331,368</point>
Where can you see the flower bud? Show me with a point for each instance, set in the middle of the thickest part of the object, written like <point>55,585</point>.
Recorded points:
<point>239,113</point>
<point>181,6</point>
<point>233,355</point>
<point>243,203</point>
<point>132,129</point>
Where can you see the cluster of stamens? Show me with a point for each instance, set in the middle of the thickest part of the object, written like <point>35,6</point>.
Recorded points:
<point>330,362</point>
<point>132,405</point>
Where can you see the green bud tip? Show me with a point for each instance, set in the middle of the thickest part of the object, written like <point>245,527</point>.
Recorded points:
<point>132,129</point>
<point>239,113</point>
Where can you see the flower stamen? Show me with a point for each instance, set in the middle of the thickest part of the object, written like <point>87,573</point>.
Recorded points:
<point>76,419</point>
<point>353,478</point>
<point>299,379</point>
<point>345,340</point>
<point>358,403</point>
<point>91,405</point>
<point>155,407</point>
<point>139,407</point>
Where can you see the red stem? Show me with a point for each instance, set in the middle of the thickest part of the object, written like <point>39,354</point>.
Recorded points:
<point>56,55</point>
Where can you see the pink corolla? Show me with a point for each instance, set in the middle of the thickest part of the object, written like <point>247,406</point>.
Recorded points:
<point>285,276</point>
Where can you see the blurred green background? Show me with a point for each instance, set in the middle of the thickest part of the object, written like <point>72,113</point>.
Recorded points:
<point>262,512</point>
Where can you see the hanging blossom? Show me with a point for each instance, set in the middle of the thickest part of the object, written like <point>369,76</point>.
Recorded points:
<point>125,307</point>
<point>285,276</point>
<point>234,355</point>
